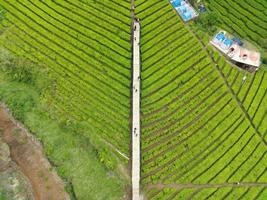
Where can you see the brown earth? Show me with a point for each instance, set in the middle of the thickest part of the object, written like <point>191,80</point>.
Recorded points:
<point>27,152</point>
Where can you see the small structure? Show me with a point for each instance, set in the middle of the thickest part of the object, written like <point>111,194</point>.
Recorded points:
<point>202,8</point>
<point>184,9</point>
<point>236,51</point>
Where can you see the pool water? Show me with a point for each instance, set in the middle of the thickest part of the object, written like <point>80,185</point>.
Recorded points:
<point>185,9</point>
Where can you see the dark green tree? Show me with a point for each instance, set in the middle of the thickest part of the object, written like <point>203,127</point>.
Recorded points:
<point>208,22</point>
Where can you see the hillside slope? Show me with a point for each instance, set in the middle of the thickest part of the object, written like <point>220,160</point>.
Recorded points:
<point>87,48</point>
<point>197,140</point>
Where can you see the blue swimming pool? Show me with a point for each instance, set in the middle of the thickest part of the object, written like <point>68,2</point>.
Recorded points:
<point>184,9</point>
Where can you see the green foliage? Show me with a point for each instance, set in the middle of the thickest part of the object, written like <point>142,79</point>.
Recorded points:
<point>106,158</point>
<point>20,72</point>
<point>2,13</point>
<point>208,21</point>
<point>21,99</point>
<point>74,157</point>
<point>264,58</point>
<point>19,69</point>
<point>263,42</point>
<point>2,196</point>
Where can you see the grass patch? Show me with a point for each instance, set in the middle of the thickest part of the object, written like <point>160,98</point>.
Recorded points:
<point>76,160</point>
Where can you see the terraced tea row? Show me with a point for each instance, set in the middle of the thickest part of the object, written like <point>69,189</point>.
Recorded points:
<point>250,89</point>
<point>227,192</point>
<point>193,129</point>
<point>87,47</point>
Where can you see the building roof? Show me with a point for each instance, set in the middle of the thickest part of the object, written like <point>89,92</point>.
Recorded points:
<point>232,49</point>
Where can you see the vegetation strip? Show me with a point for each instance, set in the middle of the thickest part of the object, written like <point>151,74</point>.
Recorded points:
<point>27,152</point>
<point>220,185</point>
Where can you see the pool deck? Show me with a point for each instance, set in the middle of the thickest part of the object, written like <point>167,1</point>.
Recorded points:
<point>236,56</point>
<point>189,8</point>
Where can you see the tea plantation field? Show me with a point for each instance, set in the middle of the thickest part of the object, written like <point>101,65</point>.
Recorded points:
<point>203,120</point>
<point>203,129</point>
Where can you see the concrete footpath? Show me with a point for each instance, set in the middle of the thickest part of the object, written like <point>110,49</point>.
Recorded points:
<point>136,113</point>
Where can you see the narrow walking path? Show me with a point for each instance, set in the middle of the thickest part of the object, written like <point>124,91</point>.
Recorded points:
<point>136,113</point>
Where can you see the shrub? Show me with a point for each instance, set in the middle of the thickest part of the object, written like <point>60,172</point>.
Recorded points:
<point>17,69</point>
<point>20,73</point>
<point>263,43</point>
<point>2,13</point>
<point>208,22</point>
<point>106,158</point>
<point>264,58</point>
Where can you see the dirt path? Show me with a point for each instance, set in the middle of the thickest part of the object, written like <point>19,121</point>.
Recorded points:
<point>27,152</point>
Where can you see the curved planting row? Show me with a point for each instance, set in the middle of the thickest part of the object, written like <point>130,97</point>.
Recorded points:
<point>193,130</point>
<point>249,88</point>
<point>87,48</point>
<point>208,193</point>
<point>251,91</point>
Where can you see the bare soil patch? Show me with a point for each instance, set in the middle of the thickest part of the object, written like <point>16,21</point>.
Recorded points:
<point>27,152</point>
